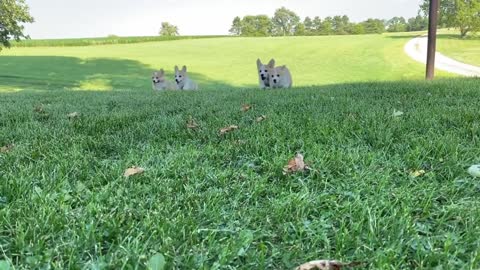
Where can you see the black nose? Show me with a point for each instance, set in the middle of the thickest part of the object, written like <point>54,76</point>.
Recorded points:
<point>177,81</point>
<point>274,81</point>
<point>263,77</point>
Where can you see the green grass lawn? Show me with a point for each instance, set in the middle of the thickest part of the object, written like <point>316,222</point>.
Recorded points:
<point>221,202</point>
<point>216,62</point>
<point>466,50</point>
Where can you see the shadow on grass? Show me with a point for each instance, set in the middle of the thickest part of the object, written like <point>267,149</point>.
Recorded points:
<point>458,37</point>
<point>70,73</point>
<point>406,36</point>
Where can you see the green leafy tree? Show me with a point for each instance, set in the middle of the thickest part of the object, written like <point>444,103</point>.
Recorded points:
<point>374,26</point>
<point>358,29</point>
<point>236,28</point>
<point>397,24</point>
<point>168,30</point>
<point>13,13</point>
<point>340,25</point>
<point>284,22</point>
<point>462,14</point>
<point>256,26</point>
<point>317,25</point>
<point>300,29</point>
<point>309,27</point>
<point>418,23</point>
<point>326,27</point>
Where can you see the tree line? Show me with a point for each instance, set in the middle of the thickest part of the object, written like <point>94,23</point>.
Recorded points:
<point>287,23</point>
<point>461,14</point>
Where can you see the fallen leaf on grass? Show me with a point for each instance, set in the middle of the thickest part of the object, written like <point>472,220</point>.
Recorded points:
<point>246,107</point>
<point>73,115</point>
<point>397,113</point>
<point>7,148</point>
<point>474,170</point>
<point>156,262</point>
<point>39,109</point>
<point>133,171</point>
<point>228,129</point>
<point>326,265</point>
<point>191,124</point>
<point>261,118</point>
<point>417,173</point>
<point>296,165</point>
<point>5,265</point>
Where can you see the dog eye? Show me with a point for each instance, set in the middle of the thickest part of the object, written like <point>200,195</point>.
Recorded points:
<point>260,71</point>
<point>273,76</point>
<point>278,75</point>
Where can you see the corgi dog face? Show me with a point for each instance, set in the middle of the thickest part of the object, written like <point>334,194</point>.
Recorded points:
<point>280,77</point>
<point>180,75</point>
<point>158,76</point>
<point>183,81</point>
<point>263,77</point>
<point>159,82</point>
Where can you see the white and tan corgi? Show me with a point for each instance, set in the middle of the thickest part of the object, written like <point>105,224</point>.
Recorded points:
<point>183,81</point>
<point>280,77</point>
<point>160,83</point>
<point>263,78</point>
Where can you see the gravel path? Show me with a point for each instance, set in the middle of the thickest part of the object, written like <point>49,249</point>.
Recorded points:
<point>417,50</point>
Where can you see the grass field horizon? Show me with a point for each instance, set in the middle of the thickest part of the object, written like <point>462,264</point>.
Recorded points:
<point>214,62</point>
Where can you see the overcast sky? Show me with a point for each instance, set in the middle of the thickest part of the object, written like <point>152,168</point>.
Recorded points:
<point>98,18</point>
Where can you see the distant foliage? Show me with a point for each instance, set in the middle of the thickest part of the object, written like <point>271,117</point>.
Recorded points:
<point>168,30</point>
<point>256,26</point>
<point>284,22</point>
<point>13,15</point>
<point>287,23</point>
<point>418,23</point>
<point>462,14</point>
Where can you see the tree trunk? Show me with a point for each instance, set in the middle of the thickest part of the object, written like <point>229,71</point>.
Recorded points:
<point>463,32</point>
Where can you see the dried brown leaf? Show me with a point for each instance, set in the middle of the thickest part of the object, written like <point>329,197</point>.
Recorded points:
<point>397,113</point>
<point>191,124</point>
<point>261,118</point>
<point>133,171</point>
<point>7,148</point>
<point>246,107</point>
<point>228,129</point>
<point>326,265</point>
<point>73,115</point>
<point>474,170</point>
<point>417,173</point>
<point>295,165</point>
<point>39,109</point>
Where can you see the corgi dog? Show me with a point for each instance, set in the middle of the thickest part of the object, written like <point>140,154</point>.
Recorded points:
<point>183,81</point>
<point>160,83</point>
<point>263,78</point>
<point>280,77</point>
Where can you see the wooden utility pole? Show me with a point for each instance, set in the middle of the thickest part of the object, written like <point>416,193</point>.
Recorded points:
<point>432,38</point>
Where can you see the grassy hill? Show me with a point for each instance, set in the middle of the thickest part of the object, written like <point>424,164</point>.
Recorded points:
<point>215,62</point>
<point>466,50</point>
<point>208,201</point>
